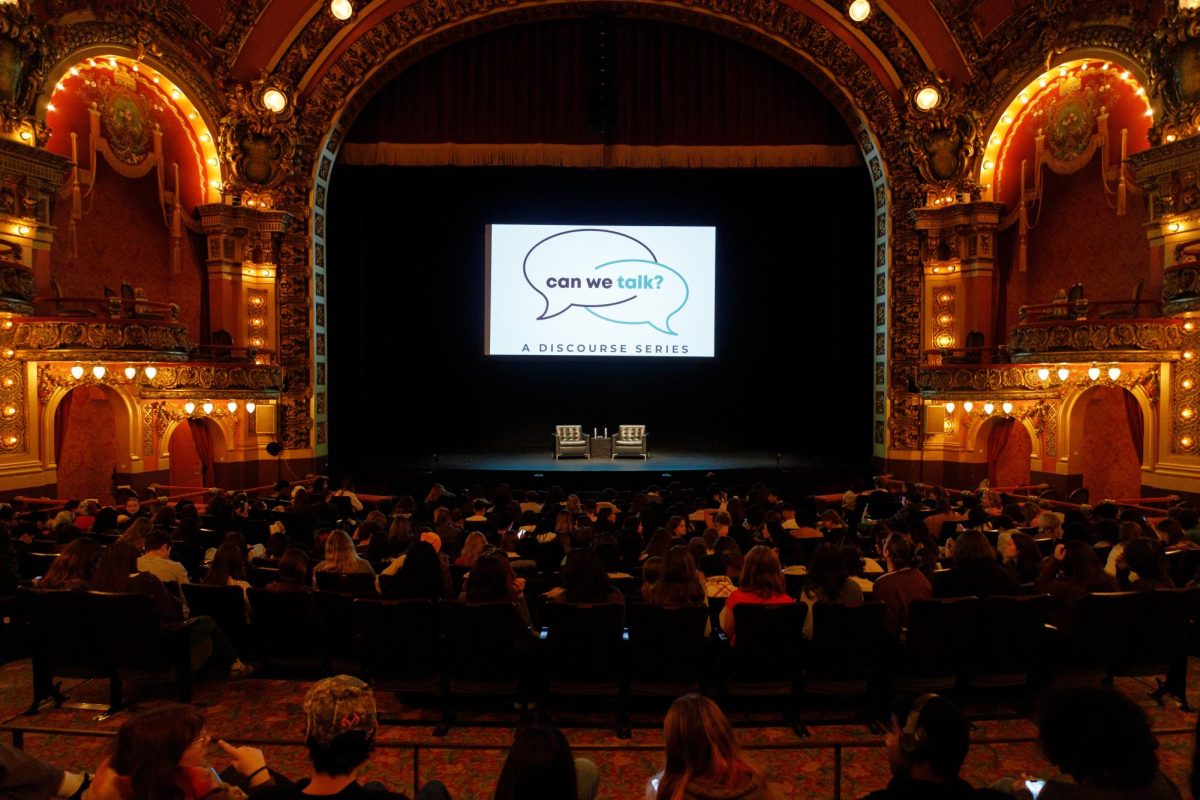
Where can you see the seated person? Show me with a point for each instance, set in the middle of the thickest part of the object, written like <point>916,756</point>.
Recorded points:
<point>975,572</point>
<point>762,582</point>
<point>341,557</point>
<point>157,559</point>
<point>901,585</point>
<point>926,748</point>
<point>829,581</point>
<point>585,580</point>
<point>1102,739</point>
<point>292,573</point>
<point>340,735</point>
<point>702,757</point>
<point>74,567</point>
<point>540,765</point>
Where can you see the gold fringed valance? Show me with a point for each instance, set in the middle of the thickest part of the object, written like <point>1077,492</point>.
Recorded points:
<point>394,154</point>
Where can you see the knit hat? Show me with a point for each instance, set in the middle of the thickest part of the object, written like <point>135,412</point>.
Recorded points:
<point>338,705</point>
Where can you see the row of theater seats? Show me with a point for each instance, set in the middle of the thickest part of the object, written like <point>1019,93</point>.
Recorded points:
<point>455,649</point>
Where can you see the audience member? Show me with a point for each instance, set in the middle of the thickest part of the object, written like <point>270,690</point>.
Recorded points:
<point>74,567</point>
<point>292,573</point>
<point>586,581</point>
<point>1072,572</point>
<point>702,760</point>
<point>341,557</point>
<point>539,766</point>
<point>901,585</point>
<point>762,581</point>
<point>157,559</point>
<point>975,571</point>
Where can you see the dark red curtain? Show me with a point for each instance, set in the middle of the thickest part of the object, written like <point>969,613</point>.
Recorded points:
<point>1133,415</point>
<point>202,437</point>
<point>997,441</point>
<point>61,423</point>
<point>666,84</point>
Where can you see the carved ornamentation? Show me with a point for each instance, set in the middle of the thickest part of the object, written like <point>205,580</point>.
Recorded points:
<point>1174,56</point>
<point>1074,341</point>
<point>14,419</point>
<point>943,140</point>
<point>23,65</point>
<point>56,339</point>
<point>1181,282</point>
<point>16,288</point>
<point>253,378</point>
<point>1041,416</point>
<point>258,144</point>
<point>1018,382</point>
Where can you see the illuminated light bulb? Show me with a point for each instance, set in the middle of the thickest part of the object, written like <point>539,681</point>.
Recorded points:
<point>1189,326</point>
<point>73,71</point>
<point>1188,355</point>
<point>10,440</point>
<point>250,407</point>
<point>1042,82</point>
<point>8,324</point>
<point>112,62</point>
<point>943,319</point>
<point>156,79</point>
<point>988,408</point>
<point>1149,112</point>
<point>257,301</point>
<point>928,98</point>
<point>274,100</point>
<point>1007,118</point>
<point>23,230</point>
<point>1173,227</point>
<point>204,137</point>
<point>1187,383</point>
<point>1094,373</point>
<point>150,372</point>
<point>344,9</point>
<point>1170,138</point>
<point>995,141</point>
<point>135,68</point>
<point>208,407</point>
<point>968,407</point>
<point>1023,99</point>
<point>175,94</point>
<point>189,407</point>
<point>1105,67</point>
<point>1114,373</point>
<point>950,408</point>
<point>1006,407</point>
<point>9,352</point>
<point>50,107</point>
<point>1185,441</point>
<point>98,372</point>
<point>256,341</point>
<point>130,373</point>
<point>25,136</point>
<point>944,297</point>
<point>1063,373</point>
<point>256,322</point>
<point>944,340</point>
<point>212,162</point>
<point>191,115</point>
<point>10,411</point>
<point>1186,413</point>
<point>9,383</point>
<point>216,184</point>
<point>231,406</point>
<point>859,10</point>
<point>987,164</point>
<point>1043,374</point>
<point>1062,72</point>
<point>1125,75</point>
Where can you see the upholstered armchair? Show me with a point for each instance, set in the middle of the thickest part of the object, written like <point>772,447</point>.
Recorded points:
<point>630,440</point>
<point>570,440</point>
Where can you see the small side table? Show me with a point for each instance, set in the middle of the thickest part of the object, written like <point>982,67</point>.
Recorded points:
<point>600,447</point>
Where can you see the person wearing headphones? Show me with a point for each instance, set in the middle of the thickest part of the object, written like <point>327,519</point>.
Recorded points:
<point>926,748</point>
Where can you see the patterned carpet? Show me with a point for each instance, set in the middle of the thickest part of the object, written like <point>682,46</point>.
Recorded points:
<point>267,709</point>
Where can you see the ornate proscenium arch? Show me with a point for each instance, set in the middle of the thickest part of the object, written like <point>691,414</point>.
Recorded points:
<point>341,88</point>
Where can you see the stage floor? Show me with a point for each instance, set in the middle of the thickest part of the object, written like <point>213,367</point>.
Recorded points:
<point>541,460</point>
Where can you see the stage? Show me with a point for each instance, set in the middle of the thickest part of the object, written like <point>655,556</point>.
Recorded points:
<point>534,468</point>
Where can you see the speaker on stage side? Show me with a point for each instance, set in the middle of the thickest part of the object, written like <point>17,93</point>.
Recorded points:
<point>935,420</point>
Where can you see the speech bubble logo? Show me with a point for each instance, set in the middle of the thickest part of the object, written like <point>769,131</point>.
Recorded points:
<point>610,274</point>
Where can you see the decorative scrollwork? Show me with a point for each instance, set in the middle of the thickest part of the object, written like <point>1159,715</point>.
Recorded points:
<point>22,67</point>
<point>96,341</point>
<point>1174,57</point>
<point>258,143</point>
<point>1157,340</point>
<point>944,139</point>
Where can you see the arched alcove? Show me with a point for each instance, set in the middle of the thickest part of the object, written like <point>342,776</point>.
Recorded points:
<point>1107,427</point>
<point>87,451</point>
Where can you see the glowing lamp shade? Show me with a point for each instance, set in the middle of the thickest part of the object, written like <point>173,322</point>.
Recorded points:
<point>250,407</point>
<point>859,10</point>
<point>1063,373</point>
<point>949,408</point>
<point>274,100</point>
<point>1043,374</point>
<point>968,406</point>
<point>1006,407</point>
<point>1094,373</point>
<point>928,98</point>
<point>341,9</point>
<point>76,372</point>
<point>988,408</point>
<point>189,407</point>
<point>150,372</point>
<point>232,406</point>
<point>130,373</point>
<point>208,407</point>
<point>1114,373</point>
<point>98,372</point>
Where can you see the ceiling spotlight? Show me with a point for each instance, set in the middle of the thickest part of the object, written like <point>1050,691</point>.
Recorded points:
<point>344,9</point>
<point>274,100</point>
<point>928,98</point>
<point>858,11</point>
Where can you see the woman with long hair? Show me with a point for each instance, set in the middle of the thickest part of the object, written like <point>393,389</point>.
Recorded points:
<point>135,535</point>
<point>540,766</point>
<point>678,583</point>
<point>492,580</point>
<point>657,545</point>
<point>1072,572</point>
<point>341,557</point>
<point>586,581</point>
<point>422,576</point>
<point>702,758</point>
<point>762,582</point>
<point>472,547</point>
<point>74,567</point>
<point>828,581</point>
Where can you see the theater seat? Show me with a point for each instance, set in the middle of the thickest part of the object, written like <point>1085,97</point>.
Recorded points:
<point>399,642</point>
<point>668,651</point>
<point>288,640</point>
<point>581,652</point>
<point>66,644</point>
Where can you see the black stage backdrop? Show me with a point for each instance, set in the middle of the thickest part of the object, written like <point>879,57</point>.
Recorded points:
<point>794,327</point>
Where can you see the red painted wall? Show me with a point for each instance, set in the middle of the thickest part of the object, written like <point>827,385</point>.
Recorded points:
<point>1110,464</point>
<point>1012,469</point>
<point>89,448</point>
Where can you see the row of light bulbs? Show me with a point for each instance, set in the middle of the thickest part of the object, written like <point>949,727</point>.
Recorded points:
<point>1093,373</point>
<point>99,371</point>
<point>989,408</point>
<point>207,407</point>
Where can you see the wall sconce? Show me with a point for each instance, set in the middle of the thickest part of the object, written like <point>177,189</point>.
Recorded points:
<point>77,372</point>
<point>928,98</point>
<point>130,373</point>
<point>274,100</point>
<point>1043,374</point>
<point>1114,372</point>
<point>98,372</point>
<point>1006,407</point>
<point>250,407</point>
<point>1063,373</point>
<point>341,9</point>
<point>189,408</point>
<point>150,372</point>
<point>859,10</point>
<point>1093,373</point>
<point>232,406</point>
<point>968,407</point>
<point>988,408</point>
<point>950,408</point>
<point>208,407</point>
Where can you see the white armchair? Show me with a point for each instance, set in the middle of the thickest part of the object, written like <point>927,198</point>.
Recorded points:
<point>630,440</point>
<point>570,440</point>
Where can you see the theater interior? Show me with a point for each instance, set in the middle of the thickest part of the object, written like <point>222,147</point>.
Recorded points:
<point>246,250</point>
